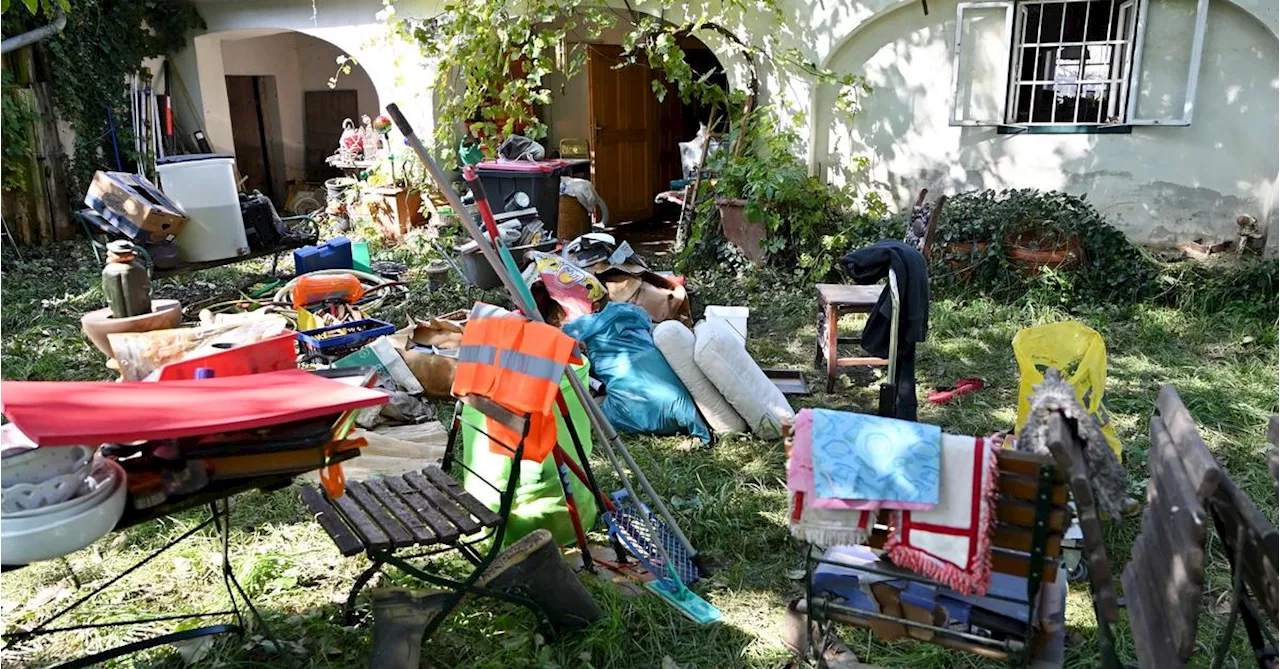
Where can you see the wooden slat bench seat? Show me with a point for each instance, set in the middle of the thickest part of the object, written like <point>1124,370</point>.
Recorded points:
<point>416,509</point>
<point>1032,514</point>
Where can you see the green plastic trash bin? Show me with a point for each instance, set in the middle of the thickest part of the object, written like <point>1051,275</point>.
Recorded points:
<point>539,501</point>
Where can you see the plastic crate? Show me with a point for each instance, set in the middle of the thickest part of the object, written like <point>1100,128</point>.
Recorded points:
<point>477,270</point>
<point>364,331</point>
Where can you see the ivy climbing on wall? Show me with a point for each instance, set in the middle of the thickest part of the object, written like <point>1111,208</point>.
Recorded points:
<point>88,65</point>
<point>17,142</point>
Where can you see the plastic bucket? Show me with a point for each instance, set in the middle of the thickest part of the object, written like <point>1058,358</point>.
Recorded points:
<point>734,317</point>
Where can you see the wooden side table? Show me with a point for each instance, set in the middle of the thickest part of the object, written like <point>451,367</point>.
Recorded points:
<point>834,301</point>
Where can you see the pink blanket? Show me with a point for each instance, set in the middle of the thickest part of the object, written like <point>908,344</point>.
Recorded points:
<point>824,527</point>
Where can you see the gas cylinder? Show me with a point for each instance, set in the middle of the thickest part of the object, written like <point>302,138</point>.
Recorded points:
<point>125,282</point>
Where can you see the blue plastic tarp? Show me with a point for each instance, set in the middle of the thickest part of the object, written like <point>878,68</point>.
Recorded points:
<point>643,393</point>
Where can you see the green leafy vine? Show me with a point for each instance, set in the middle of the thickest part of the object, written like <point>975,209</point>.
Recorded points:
<point>18,143</point>
<point>492,57</point>
<point>104,43</point>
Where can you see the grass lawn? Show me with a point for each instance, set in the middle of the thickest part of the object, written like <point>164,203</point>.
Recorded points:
<point>730,502</point>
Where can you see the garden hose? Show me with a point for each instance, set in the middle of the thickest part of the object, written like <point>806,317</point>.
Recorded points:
<point>372,281</point>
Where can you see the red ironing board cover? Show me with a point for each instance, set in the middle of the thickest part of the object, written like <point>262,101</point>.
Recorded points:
<point>64,413</point>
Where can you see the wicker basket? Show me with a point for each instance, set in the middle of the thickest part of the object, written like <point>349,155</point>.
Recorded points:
<point>575,220</point>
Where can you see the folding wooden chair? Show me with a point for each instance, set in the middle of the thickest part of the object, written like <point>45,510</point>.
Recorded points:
<point>421,514</point>
<point>1164,579</point>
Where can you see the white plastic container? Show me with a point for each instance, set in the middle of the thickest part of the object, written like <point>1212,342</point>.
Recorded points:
<point>204,186</point>
<point>734,317</point>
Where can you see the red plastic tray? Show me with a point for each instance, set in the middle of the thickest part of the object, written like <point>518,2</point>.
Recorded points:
<point>63,413</point>
<point>269,355</point>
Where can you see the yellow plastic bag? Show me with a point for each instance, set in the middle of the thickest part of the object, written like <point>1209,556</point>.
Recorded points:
<point>1080,354</point>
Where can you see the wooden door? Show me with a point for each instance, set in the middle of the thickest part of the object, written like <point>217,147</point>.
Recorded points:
<point>247,133</point>
<point>623,134</point>
<point>324,112</point>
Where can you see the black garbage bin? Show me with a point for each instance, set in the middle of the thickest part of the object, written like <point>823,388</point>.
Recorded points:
<point>540,181</point>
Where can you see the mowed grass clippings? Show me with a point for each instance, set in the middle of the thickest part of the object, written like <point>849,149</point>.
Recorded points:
<point>729,498</point>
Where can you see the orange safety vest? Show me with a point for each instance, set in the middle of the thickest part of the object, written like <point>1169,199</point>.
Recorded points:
<point>517,364</point>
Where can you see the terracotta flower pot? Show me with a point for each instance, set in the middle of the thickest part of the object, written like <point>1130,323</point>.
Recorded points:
<point>740,230</point>
<point>960,258</point>
<point>395,211</point>
<point>1032,260</point>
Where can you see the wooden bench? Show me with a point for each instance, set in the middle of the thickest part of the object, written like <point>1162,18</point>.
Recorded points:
<point>1164,580</point>
<point>1032,514</point>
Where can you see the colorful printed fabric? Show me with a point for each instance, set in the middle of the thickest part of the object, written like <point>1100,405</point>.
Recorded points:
<point>820,527</point>
<point>864,457</point>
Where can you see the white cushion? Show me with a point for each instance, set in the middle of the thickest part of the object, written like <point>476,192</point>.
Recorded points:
<point>721,356</point>
<point>676,342</point>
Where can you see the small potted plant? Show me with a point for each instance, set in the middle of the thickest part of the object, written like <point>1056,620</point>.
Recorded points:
<point>393,198</point>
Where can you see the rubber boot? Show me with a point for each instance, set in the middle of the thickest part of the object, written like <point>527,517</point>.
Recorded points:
<point>400,617</point>
<point>532,567</point>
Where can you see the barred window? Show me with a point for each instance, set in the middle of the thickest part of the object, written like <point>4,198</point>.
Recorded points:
<point>1071,62</point>
<point>1073,65</point>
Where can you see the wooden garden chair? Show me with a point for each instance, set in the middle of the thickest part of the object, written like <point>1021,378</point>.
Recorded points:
<point>1164,580</point>
<point>1032,514</point>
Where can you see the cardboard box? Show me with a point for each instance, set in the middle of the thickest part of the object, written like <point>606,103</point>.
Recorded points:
<point>135,207</point>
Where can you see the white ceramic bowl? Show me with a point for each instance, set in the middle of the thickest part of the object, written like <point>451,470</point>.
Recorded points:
<point>100,483</point>
<point>67,535</point>
<point>40,477</point>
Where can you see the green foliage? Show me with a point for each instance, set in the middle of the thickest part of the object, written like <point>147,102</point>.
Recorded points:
<point>18,144</point>
<point>105,41</point>
<point>810,224</point>
<point>977,229</point>
<point>492,57</point>
<point>46,8</point>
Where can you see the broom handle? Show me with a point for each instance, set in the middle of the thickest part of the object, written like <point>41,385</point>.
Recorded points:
<point>599,422</point>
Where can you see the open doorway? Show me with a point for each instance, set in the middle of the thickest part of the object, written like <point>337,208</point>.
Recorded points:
<point>634,137</point>
<point>259,144</point>
<point>282,118</point>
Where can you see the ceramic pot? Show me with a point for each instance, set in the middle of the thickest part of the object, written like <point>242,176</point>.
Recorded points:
<point>745,234</point>
<point>960,258</point>
<point>96,325</point>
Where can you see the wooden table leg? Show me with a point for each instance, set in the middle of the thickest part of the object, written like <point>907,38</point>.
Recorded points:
<point>833,323</point>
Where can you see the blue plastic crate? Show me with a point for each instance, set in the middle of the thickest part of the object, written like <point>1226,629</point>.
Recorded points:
<point>366,330</point>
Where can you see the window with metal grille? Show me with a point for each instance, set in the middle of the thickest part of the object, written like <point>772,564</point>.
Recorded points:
<point>1072,65</point>
<point>1071,62</point>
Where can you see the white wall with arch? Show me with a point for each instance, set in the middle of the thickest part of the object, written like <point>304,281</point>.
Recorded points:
<point>1159,184</point>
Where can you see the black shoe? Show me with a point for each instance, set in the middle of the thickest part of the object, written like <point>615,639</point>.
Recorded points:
<point>532,567</point>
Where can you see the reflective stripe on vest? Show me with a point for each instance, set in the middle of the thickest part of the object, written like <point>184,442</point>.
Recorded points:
<point>512,361</point>
<point>531,365</point>
<point>478,353</point>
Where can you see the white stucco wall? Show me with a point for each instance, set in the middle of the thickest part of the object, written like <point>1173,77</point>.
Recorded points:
<point>1159,184</point>
<point>273,56</point>
<point>298,63</point>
